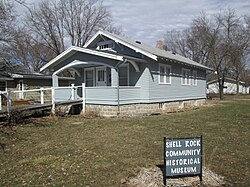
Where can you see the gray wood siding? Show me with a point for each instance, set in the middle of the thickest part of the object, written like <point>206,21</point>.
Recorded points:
<point>121,49</point>
<point>101,95</point>
<point>143,82</point>
<point>109,95</point>
<point>175,90</point>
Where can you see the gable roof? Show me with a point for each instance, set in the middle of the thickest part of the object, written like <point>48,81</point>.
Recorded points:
<point>151,52</point>
<point>73,49</point>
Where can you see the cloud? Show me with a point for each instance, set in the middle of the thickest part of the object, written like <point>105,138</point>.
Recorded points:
<point>148,20</point>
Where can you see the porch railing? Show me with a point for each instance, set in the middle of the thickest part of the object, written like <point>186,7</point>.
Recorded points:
<point>23,98</point>
<point>90,95</point>
<point>111,95</point>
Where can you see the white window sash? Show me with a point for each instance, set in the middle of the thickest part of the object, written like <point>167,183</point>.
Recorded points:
<point>166,74</point>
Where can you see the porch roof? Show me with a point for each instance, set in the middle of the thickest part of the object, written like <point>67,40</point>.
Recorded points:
<point>73,49</point>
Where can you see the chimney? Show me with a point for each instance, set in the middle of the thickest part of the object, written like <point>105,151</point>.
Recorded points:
<point>159,44</point>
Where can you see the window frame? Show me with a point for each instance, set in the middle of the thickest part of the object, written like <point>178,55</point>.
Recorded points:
<point>106,45</point>
<point>103,82</point>
<point>185,80</point>
<point>127,67</point>
<point>165,75</point>
<point>85,78</point>
<point>194,80</point>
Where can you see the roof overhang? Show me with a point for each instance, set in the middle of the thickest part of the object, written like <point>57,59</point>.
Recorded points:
<point>176,60</point>
<point>117,40</point>
<point>73,49</point>
<point>6,79</point>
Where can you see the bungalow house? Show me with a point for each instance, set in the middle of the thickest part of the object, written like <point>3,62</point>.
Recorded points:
<point>230,87</point>
<point>122,76</point>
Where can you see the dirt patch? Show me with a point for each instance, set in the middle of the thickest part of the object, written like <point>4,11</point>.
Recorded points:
<point>153,177</point>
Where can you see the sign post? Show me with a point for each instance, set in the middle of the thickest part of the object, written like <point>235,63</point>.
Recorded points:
<point>182,157</point>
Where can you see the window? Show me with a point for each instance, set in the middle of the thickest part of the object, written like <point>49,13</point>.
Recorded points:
<point>106,45</point>
<point>89,77</point>
<point>185,77</point>
<point>101,76</point>
<point>123,75</point>
<point>195,78</point>
<point>164,74</point>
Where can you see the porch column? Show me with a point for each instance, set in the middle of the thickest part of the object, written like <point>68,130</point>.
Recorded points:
<point>114,77</point>
<point>55,80</point>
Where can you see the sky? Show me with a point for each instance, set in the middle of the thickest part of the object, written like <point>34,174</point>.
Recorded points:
<point>148,20</point>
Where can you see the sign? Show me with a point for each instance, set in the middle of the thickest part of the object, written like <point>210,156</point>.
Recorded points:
<point>182,157</point>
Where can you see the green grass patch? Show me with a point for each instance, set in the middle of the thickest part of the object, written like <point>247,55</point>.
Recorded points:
<point>75,151</point>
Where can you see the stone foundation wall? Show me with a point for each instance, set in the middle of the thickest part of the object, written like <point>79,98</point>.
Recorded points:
<point>142,109</point>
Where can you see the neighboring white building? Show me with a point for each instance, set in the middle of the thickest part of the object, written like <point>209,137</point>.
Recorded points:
<point>230,87</point>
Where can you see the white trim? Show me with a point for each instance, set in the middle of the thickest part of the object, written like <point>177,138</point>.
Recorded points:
<point>134,64</point>
<point>74,49</point>
<point>150,55</point>
<point>77,62</point>
<point>110,43</point>
<point>21,89</point>
<point>194,79</point>
<point>104,82</point>
<point>187,80</point>
<point>165,66</point>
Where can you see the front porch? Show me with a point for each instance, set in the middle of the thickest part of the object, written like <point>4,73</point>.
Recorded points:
<point>101,78</point>
<point>104,95</point>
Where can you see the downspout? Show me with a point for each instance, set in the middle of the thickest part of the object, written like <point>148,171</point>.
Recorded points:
<point>118,85</point>
<point>118,92</point>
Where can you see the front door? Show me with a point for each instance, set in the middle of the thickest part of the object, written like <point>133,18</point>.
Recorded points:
<point>101,76</point>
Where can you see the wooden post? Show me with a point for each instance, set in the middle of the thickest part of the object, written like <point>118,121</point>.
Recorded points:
<point>0,101</point>
<point>8,103</point>
<point>72,91</point>
<point>83,98</point>
<point>42,95</point>
<point>53,110</point>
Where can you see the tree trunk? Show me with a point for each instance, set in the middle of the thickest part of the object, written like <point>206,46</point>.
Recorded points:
<point>237,85</point>
<point>221,87</point>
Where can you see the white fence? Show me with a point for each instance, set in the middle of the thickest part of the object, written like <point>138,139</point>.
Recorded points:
<point>72,94</point>
<point>40,96</point>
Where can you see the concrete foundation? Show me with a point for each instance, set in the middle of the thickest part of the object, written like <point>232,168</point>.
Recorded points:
<point>141,108</point>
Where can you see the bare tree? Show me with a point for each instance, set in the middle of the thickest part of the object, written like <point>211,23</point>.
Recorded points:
<point>57,22</point>
<point>46,24</point>
<point>48,29</point>
<point>24,50</point>
<point>188,43</point>
<point>6,22</point>
<point>219,42</point>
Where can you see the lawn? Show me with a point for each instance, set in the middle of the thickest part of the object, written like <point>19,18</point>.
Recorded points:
<point>75,151</point>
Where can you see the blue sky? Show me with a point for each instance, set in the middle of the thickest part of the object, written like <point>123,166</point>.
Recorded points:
<point>148,20</point>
